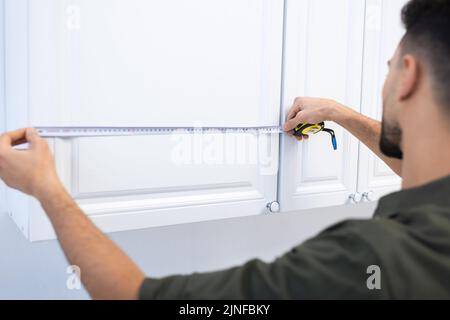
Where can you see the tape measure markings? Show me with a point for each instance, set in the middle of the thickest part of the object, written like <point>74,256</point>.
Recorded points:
<point>73,132</point>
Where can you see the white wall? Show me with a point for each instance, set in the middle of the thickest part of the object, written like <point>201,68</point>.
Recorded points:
<point>2,100</point>
<point>38,270</point>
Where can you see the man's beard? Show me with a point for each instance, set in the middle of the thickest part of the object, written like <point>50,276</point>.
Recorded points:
<point>390,141</point>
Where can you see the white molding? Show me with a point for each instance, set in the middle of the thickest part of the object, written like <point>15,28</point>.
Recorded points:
<point>320,187</point>
<point>41,229</point>
<point>126,206</point>
<point>161,191</point>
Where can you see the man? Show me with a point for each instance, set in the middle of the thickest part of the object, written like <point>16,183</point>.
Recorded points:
<point>408,239</point>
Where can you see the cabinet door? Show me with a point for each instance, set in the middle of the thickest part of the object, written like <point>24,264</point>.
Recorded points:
<point>152,63</point>
<point>323,58</point>
<point>382,35</point>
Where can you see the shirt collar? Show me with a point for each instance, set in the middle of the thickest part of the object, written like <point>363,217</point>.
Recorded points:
<point>436,192</point>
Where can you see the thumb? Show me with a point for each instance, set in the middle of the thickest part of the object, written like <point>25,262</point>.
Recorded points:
<point>291,124</point>
<point>32,136</point>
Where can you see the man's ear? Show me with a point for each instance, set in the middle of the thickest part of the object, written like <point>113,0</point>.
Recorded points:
<point>409,76</point>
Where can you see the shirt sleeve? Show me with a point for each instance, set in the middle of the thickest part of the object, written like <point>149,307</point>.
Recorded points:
<point>330,266</point>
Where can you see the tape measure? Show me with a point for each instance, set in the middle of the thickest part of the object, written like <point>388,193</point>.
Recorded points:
<point>306,128</point>
<point>76,132</point>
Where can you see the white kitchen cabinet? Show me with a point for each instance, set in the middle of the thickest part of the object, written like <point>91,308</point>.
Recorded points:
<point>148,63</point>
<point>196,63</point>
<point>322,58</point>
<point>383,32</point>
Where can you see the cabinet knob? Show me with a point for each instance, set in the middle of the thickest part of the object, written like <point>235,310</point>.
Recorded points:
<point>355,197</point>
<point>273,207</point>
<point>368,196</point>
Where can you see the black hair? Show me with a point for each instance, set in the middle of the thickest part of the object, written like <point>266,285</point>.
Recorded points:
<point>427,24</point>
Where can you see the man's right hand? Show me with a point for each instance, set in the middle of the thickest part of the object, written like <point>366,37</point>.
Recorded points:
<point>315,110</point>
<point>311,110</point>
<point>31,171</point>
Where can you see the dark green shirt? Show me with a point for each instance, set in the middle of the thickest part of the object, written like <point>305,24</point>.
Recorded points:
<point>408,239</point>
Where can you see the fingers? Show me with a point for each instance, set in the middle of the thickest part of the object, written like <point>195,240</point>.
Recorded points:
<point>32,137</point>
<point>293,112</point>
<point>299,138</point>
<point>18,137</point>
<point>12,138</point>
<point>19,142</point>
<point>294,122</point>
<point>296,108</point>
<point>304,137</point>
<point>293,117</point>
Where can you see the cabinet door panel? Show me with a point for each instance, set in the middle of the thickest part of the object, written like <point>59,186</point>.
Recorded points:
<point>382,35</point>
<point>108,171</point>
<point>155,63</point>
<point>323,58</point>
